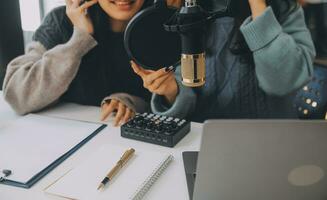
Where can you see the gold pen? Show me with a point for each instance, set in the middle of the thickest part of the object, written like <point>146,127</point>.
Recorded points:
<point>121,162</point>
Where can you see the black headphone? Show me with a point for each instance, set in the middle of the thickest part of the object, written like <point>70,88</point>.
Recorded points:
<point>147,42</point>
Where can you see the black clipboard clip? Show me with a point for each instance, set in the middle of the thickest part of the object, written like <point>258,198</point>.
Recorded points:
<point>6,173</point>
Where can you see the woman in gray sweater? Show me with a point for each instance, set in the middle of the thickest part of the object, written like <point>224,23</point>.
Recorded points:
<point>255,63</point>
<point>77,55</point>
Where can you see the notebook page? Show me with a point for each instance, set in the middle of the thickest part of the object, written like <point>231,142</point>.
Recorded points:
<point>77,112</point>
<point>7,115</point>
<point>33,142</point>
<point>82,182</point>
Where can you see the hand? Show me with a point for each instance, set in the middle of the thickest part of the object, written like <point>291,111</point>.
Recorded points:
<point>257,7</point>
<point>161,82</point>
<point>302,2</point>
<point>175,3</point>
<point>76,14</point>
<point>123,112</point>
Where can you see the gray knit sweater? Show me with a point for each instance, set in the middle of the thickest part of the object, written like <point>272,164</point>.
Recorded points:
<point>50,65</point>
<point>283,55</point>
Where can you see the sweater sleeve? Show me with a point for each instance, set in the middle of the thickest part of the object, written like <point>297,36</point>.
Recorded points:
<point>50,33</point>
<point>182,107</point>
<point>283,53</point>
<point>40,76</point>
<point>137,104</point>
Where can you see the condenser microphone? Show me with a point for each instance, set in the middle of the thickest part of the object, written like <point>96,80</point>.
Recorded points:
<point>191,23</point>
<point>193,44</point>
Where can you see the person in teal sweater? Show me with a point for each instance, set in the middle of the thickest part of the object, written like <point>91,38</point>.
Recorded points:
<point>255,62</point>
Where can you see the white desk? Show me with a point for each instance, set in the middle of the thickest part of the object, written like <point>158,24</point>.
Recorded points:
<point>171,185</point>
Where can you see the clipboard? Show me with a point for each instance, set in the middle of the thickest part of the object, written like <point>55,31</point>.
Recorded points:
<point>47,168</point>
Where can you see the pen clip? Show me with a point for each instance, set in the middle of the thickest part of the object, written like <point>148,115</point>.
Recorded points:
<point>6,173</point>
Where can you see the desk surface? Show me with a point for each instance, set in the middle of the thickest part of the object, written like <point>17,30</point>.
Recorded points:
<point>171,185</point>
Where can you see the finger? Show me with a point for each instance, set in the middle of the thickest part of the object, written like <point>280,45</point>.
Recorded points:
<point>68,3</point>
<point>75,3</point>
<point>88,4</point>
<point>158,82</point>
<point>128,115</point>
<point>162,89</point>
<point>109,109</point>
<point>120,113</point>
<point>138,70</point>
<point>149,79</point>
<point>105,113</point>
<point>133,114</point>
<point>104,107</point>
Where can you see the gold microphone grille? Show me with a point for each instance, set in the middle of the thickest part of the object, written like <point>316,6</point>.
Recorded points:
<point>193,70</point>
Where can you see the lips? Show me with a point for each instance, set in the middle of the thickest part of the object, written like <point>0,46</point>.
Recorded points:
<point>123,2</point>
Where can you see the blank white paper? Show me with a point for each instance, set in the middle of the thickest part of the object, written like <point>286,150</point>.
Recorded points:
<point>82,182</point>
<point>77,112</point>
<point>33,142</point>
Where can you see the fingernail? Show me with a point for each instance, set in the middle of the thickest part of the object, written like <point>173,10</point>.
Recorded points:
<point>168,69</point>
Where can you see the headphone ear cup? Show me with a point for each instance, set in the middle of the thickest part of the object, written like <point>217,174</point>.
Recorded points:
<point>148,43</point>
<point>213,6</point>
<point>148,3</point>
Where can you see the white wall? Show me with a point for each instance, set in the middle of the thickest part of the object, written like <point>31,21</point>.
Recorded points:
<point>30,14</point>
<point>50,4</point>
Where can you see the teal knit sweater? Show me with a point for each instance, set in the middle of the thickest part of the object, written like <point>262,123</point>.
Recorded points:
<point>283,55</point>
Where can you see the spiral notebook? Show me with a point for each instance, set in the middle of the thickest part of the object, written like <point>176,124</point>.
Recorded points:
<point>133,181</point>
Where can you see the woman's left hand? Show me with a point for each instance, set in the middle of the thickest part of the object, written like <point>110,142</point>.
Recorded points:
<point>123,114</point>
<point>257,7</point>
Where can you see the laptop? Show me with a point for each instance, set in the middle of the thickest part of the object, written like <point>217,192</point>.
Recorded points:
<point>259,159</point>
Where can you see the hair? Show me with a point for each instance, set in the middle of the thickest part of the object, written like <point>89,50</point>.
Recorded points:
<point>241,10</point>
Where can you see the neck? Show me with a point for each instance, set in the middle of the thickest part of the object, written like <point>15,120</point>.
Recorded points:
<point>118,26</point>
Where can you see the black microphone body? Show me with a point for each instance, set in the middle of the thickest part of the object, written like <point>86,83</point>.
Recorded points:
<point>193,39</point>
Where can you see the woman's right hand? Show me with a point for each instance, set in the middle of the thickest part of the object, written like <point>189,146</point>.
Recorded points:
<point>161,82</point>
<point>77,14</point>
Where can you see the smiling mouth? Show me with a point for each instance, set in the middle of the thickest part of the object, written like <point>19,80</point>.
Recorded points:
<point>123,2</point>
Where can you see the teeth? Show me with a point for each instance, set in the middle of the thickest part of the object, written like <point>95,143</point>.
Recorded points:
<point>123,2</point>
